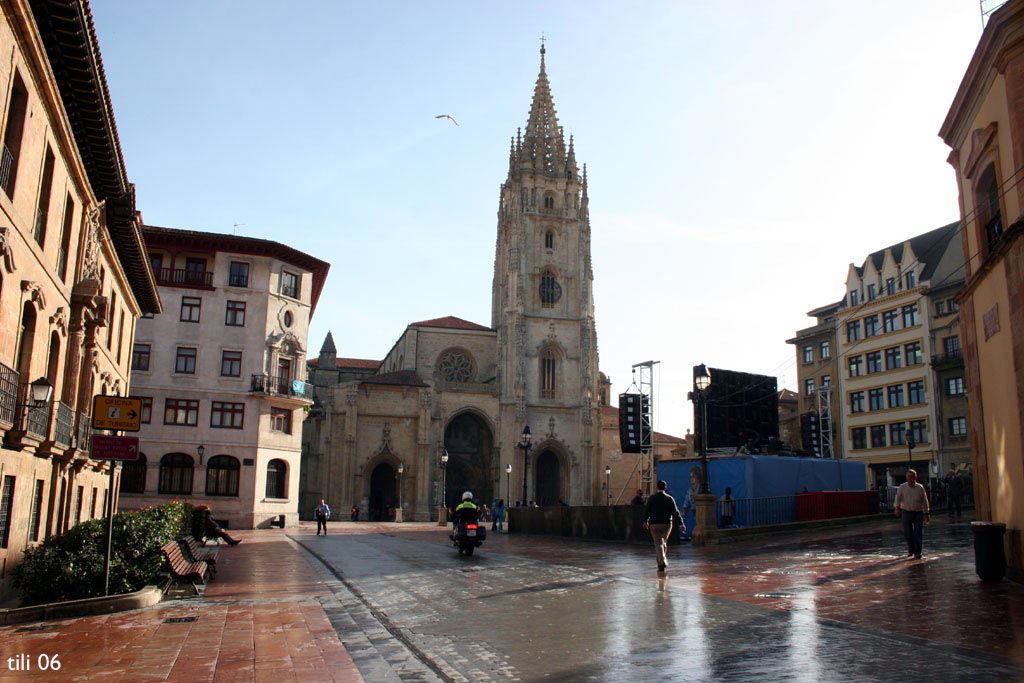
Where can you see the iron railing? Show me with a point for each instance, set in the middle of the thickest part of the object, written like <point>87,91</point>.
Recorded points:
<point>37,420</point>
<point>758,511</point>
<point>65,424</point>
<point>181,277</point>
<point>84,438</point>
<point>40,226</point>
<point>8,393</point>
<point>6,166</point>
<point>994,230</point>
<point>281,386</point>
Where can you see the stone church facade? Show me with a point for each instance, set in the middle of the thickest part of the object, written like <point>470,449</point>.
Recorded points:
<point>452,386</point>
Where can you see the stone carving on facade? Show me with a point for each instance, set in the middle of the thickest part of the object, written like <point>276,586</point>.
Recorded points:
<point>385,438</point>
<point>6,251</point>
<point>91,262</point>
<point>35,294</point>
<point>285,340</point>
<point>59,319</point>
<point>551,427</point>
<point>351,394</point>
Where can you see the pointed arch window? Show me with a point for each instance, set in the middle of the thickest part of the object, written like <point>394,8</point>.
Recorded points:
<point>549,201</point>
<point>549,239</point>
<point>550,290</point>
<point>548,372</point>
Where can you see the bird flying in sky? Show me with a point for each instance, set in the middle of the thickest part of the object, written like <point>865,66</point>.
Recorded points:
<point>446,116</point>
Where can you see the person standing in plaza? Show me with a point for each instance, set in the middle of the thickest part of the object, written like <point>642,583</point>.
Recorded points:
<point>912,504</point>
<point>659,513</point>
<point>499,515</point>
<point>954,489</point>
<point>322,513</point>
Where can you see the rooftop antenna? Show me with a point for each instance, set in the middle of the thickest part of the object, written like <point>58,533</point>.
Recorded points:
<point>235,227</point>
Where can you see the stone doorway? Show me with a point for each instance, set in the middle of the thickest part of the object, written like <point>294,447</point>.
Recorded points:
<point>383,492</point>
<point>548,483</point>
<point>469,443</point>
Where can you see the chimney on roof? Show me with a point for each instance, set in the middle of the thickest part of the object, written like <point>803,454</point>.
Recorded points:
<point>328,353</point>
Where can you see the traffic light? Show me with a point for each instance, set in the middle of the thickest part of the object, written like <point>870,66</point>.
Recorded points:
<point>810,433</point>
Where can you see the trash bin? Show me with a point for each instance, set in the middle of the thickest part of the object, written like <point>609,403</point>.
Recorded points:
<point>989,556</point>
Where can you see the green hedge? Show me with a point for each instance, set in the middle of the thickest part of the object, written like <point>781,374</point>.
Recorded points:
<point>70,566</point>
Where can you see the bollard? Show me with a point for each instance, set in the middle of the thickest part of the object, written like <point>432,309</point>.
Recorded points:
<point>989,556</point>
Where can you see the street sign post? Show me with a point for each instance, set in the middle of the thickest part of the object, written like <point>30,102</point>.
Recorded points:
<point>116,412</point>
<point>123,448</point>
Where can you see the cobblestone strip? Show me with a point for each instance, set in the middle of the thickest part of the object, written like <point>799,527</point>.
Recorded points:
<point>380,650</point>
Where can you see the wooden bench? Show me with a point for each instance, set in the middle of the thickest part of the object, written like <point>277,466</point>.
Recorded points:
<point>194,572</point>
<point>201,553</point>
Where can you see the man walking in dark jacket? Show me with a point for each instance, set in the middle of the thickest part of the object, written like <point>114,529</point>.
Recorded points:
<point>659,513</point>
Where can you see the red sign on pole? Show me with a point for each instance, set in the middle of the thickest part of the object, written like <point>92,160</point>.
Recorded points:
<point>124,448</point>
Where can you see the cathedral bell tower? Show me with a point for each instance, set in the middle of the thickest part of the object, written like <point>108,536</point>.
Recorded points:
<point>543,310</point>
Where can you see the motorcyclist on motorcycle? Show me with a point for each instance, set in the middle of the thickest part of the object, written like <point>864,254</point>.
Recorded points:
<point>466,512</point>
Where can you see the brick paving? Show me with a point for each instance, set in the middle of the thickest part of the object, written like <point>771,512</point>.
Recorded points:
<point>394,602</point>
<point>261,619</point>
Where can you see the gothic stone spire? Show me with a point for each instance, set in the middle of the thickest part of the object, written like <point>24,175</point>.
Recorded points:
<point>543,143</point>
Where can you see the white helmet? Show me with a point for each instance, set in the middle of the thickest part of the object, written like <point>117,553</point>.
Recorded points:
<point>468,495</point>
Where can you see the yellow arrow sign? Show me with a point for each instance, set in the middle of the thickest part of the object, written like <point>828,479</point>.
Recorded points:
<point>116,412</point>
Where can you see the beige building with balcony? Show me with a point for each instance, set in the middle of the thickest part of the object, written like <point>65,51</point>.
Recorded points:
<point>889,394</point>
<point>818,380</point>
<point>73,275</point>
<point>221,374</point>
<point>985,130</point>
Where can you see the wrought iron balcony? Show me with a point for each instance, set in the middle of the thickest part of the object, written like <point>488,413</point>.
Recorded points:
<point>37,420</point>
<point>8,394</point>
<point>65,424</point>
<point>949,359</point>
<point>6,165</point>
<point>84,439</point>
<point>181,277</point>
<point>281,386</point>
<point>994,230</point>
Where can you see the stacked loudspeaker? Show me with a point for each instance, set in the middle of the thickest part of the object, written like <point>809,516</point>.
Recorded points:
<point>634,422</point>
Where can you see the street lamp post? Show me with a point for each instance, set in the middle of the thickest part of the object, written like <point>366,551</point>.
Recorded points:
<point>608,482</point>
<point>200,449</point>
<point>524,443</point>
<point>704,529</point>
<point>910,451</point>
<point>442,512</point>
<point>508,482</point>
<point>701,381</point>
<point>399,511</point>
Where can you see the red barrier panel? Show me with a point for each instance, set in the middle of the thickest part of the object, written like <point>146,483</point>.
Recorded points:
<point>831,504</point>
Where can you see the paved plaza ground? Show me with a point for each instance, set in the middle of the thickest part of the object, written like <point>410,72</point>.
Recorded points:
<point>393,602</point>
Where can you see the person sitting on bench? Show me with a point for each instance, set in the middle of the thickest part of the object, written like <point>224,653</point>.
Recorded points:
<point>214,530</point>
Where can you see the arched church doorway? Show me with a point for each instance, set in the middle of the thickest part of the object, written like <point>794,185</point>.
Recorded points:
<point>548,485</point>
<point>469,443</point>
<point>383,492</point>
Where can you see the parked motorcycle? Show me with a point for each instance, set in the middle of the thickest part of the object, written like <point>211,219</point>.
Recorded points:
<point>468,536</point>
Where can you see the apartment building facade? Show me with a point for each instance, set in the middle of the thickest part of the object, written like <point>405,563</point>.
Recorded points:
<point>222,376</point>
<point>889,393</point>
<point>984,128</point>
<point>817,379</point>
<point>73,277</point>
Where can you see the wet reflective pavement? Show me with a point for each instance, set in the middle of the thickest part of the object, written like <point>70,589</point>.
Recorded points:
<point>835,604</point>
<point>395,602</point>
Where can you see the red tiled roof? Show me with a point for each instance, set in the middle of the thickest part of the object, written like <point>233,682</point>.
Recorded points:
<point>358,363</point>
<point>450,322</point>
<point>609,410</point>
<point>402,378</point>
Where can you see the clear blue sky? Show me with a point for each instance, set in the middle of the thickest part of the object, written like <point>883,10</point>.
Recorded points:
<point>740,155</point>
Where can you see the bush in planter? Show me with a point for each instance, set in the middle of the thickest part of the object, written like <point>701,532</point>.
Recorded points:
<point>70,566</point>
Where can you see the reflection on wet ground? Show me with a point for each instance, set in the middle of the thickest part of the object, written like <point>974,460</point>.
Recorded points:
<point>835,604</point>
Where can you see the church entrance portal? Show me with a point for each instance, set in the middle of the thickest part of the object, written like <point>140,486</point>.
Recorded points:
<point>548,486</point>
<point>470,449</point>
<point>383,492</point>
